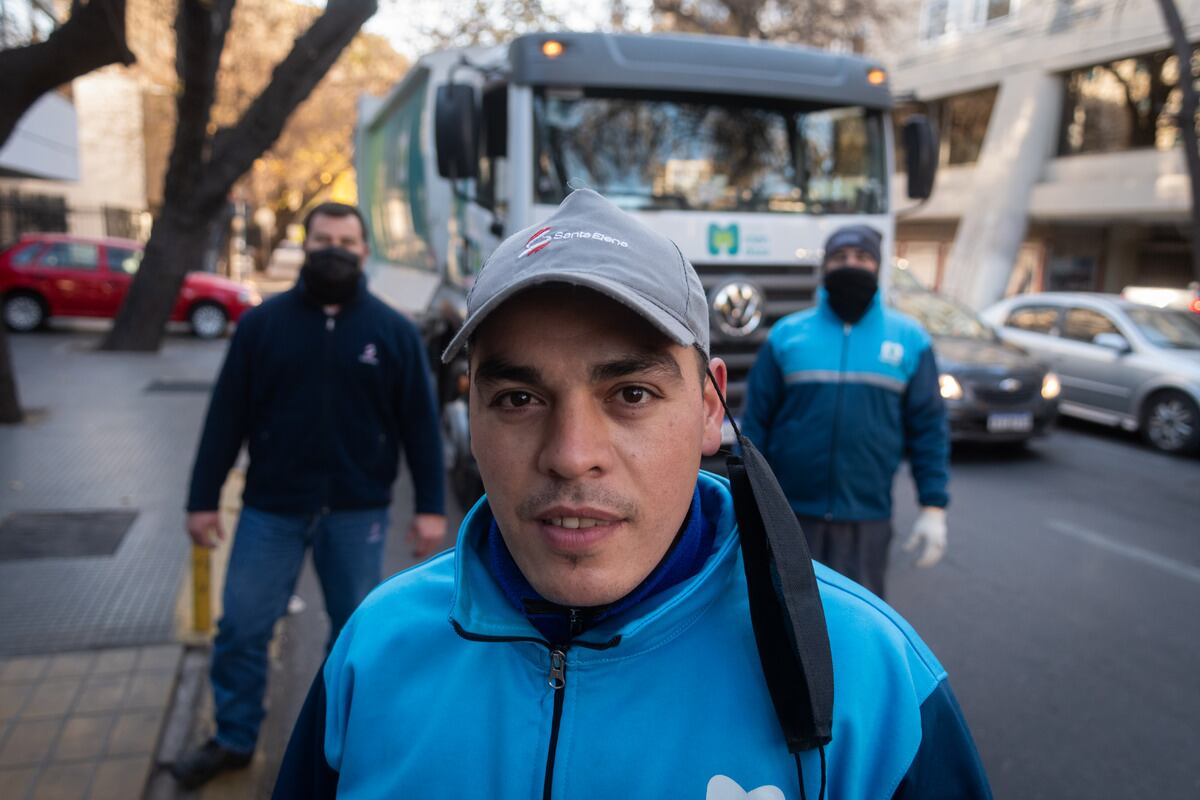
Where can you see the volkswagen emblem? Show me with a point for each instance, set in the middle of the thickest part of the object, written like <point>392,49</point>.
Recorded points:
<point>1010,385</point>
<point>738,308</point>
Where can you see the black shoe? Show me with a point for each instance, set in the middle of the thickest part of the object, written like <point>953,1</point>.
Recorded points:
<point>198,767</point>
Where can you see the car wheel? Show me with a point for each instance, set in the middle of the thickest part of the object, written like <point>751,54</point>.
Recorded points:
<point>1171,422</point>
<point>24,312</point>
<point>208,320</point>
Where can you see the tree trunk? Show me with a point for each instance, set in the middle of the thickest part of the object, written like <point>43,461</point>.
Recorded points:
<point>177,244</point>
<point>10,403</point>
<point>93,37</point>
<point>203,169</point>
<point>1187,117</point>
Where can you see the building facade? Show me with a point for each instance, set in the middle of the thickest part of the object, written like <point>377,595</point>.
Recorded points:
<point>1061,166</point>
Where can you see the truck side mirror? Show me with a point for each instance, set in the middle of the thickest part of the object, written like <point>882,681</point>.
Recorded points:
<point>920,156</point>
<point>456,131</point>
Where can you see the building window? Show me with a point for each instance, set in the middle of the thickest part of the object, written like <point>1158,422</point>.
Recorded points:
<point>998,9</point>
<point>1128,104</point>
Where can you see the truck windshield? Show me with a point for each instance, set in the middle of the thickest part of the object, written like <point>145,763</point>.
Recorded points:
<point>726,154</point>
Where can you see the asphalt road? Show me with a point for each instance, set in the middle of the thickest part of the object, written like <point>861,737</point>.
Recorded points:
<point>1067,612</point>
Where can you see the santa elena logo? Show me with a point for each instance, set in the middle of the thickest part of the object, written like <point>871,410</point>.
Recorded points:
<point>542,238</point>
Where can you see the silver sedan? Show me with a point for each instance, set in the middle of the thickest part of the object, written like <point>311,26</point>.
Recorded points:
<point>1120,363</point>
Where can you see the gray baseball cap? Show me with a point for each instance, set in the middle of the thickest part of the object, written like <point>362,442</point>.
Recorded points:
<point>589,242</point>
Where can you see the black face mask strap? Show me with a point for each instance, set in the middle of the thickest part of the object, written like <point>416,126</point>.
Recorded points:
<point>785,606</point>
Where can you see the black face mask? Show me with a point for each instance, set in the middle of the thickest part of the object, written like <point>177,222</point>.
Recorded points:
<point>330,276</point>
<point>851,290</point>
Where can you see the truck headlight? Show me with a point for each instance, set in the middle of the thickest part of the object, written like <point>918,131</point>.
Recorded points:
<point>1050,386</point>
<point>950,388</point>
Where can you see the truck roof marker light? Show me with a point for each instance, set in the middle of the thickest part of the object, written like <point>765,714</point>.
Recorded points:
<point>876,76</point>
<point>552,48</point>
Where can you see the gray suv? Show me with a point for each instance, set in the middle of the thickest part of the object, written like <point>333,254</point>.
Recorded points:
<point>1120,363</point>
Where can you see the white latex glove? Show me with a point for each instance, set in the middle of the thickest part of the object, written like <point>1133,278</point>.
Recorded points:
<point>930,531</point>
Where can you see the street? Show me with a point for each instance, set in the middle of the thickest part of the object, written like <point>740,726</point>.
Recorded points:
<point>1064,611</point>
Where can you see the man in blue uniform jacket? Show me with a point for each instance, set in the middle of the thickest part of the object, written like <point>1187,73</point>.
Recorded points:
<point>839,394</point>
<point>324,384</point>
<point>589,636</point>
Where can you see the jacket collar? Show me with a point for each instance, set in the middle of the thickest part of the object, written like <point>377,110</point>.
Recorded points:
<point>480,609</point>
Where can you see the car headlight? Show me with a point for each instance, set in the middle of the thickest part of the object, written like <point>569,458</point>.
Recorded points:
<point>249,297</point>
<point>950,388</point>
<point>1050,386</point>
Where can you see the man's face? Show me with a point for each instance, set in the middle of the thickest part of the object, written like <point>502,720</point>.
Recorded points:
<point>328,231</point>
<point>588,426</point>
<point>851,257</point>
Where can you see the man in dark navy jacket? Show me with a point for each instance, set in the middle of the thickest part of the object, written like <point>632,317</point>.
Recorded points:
<point>324,384</point>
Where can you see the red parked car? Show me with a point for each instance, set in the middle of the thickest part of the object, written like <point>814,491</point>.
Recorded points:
<point>58,275</point>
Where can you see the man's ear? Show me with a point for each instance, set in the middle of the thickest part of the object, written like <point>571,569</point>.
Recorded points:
<point>714,412</point>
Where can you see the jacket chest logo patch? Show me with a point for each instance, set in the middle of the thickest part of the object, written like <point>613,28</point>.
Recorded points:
<point>891,353</point>
<point>722,787</point>
<point>369,355</point>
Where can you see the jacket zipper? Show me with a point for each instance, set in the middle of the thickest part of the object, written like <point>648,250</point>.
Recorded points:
<point>330,325</point>
<point>557,680</point>
<point>837,417</point>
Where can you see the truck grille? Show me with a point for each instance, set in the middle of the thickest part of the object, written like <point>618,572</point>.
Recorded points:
<point>787,288</point>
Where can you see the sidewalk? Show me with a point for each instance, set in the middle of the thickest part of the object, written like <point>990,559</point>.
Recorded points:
<point>92,555</point>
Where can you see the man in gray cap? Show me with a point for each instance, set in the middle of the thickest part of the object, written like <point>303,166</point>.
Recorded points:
<point>838,395</point>
<point>589,636</point>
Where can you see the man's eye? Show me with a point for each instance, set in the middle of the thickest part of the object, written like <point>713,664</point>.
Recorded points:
<point>634,395</point>
<point>514,399</point>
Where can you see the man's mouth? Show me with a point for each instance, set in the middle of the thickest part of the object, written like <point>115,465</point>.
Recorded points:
<point>573,523</point>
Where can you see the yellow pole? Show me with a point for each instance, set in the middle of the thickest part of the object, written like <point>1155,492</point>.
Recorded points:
<point>201,590</point>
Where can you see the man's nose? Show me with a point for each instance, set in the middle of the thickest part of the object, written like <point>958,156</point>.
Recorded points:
<point>576,443</point>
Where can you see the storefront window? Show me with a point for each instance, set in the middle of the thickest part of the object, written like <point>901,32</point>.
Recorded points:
<point>1127,104</point>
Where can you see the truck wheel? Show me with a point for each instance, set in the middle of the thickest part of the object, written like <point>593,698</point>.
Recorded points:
<point>24,312</point>
<point>208,320</point>
<point>1171,422</point>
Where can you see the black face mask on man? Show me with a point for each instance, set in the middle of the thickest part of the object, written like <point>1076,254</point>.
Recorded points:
<point>330,276</point>
<point>851,290</point>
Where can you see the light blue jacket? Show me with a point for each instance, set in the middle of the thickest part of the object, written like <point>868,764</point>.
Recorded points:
<point>439,687</point>
<point>834,408</point>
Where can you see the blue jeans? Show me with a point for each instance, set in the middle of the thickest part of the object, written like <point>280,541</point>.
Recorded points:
<point>268,551</point>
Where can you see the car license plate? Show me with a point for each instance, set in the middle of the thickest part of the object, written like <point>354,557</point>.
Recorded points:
<point>1010,423</point>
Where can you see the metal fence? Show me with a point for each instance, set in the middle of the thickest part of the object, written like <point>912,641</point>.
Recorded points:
<point>22,212</point>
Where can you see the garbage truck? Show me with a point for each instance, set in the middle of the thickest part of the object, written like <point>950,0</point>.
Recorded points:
<point>747,154</point>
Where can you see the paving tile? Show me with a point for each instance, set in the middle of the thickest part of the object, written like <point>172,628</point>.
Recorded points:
<point>52,698</point>
<point>109,661</point>
<point>64,782</point>
<point>102,693</point>
<point>164,656</point>
<point>28,668</point>
<point>135,734</point>
<point>120,779</point>
<point>83,737</point>
<point>70,665</point>
<point>17,781</point>
<point>148,690</point>
<point>29,742</point>
<point>13,697</point>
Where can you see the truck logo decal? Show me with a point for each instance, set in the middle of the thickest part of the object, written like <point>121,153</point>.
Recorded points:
<point>537,242</point>
<point>723,238</point>
<point>738,308</point>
